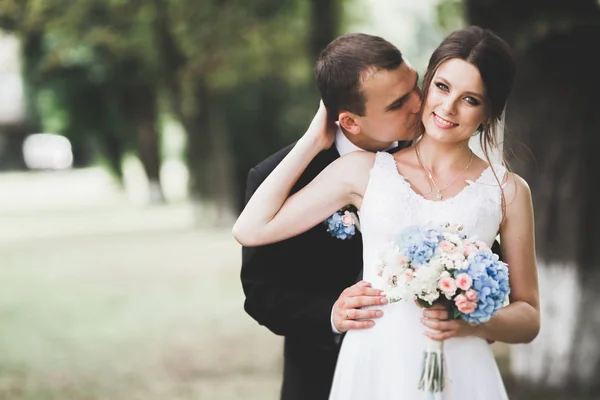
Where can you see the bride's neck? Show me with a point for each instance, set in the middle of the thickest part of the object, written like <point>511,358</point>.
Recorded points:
<point>438,156</point>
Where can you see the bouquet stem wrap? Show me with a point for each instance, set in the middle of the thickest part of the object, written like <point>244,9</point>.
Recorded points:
<point>432,369</point>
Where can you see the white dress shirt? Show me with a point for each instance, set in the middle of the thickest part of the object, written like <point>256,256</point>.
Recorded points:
<point>345,146</point>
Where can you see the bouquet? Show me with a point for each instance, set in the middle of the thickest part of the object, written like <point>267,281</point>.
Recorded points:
<point>432,264</point>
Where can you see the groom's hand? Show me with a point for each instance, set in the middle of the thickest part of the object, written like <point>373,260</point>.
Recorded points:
<point>346,310</point>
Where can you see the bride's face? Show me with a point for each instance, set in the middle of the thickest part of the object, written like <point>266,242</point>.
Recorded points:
<point>455,106</point>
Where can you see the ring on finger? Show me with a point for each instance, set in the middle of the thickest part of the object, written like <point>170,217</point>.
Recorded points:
<point>348,314</point>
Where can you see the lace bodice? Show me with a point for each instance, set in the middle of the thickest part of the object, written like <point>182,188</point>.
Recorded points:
<point>390,204</point>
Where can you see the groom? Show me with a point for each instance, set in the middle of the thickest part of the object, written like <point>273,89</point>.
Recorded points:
<point>304,288</point>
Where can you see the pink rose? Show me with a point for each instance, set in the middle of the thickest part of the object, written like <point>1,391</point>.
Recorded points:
<point>482,245</point>
<point>447,285</point>
<point>347,219</point>
<point>467,308</point>
<point>471,295</point>
<point>447,247</point>
<point>403,260</point>
<point>464,281</point>
<point>460,300</point>
<point>469,247</point>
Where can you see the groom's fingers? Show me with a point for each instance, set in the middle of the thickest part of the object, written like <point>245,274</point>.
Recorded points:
<point>353,324</point>
<point>360,290</point>
<point>348,313</point>
<point>363,314</point>
<point>364,301</point>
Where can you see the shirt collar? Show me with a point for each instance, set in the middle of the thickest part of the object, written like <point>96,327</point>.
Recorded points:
<point>344,146</point>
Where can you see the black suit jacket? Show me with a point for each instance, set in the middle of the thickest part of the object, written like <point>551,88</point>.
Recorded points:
<point>291,287</point>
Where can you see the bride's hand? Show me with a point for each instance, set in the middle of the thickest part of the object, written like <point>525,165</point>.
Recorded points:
<point>322,129</point>
<point>436,319</point>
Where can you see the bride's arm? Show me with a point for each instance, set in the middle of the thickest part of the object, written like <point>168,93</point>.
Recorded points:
<point>519,322</point>
<point>270,216</point>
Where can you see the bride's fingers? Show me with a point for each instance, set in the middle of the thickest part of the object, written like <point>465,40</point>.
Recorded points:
<point>438,313</point>
<point>437,306</point>
<point>439,325</point>
<point>440,336</point>
<point>432,324</point>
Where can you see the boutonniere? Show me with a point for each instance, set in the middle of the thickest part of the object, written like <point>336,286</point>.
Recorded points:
<point>344,223</point>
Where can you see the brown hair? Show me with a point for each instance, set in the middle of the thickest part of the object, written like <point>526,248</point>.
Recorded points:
<point>342,64</point>
<point>495,61</point>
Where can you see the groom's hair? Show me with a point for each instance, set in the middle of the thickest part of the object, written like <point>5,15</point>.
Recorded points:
<point>344,63</point>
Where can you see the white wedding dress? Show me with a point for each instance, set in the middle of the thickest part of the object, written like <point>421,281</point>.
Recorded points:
<point>384,362</point>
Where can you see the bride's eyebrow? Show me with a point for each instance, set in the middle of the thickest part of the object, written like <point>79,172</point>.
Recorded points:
<point>399,102</point>
<point>467,92</point>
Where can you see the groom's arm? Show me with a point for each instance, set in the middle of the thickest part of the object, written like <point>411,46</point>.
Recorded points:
<point>284,309</point>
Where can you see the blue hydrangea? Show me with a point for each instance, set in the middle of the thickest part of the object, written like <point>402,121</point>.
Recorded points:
<point>337,229</point>
<point>418,244</point>
<point>490,281</point>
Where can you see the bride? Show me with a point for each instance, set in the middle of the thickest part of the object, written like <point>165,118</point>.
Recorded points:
<point>438,180</point>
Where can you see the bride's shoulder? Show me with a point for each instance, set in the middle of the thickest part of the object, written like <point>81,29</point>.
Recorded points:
<point>358,159</point>
<point>405,157</point>
<point>356,166</point>
<point>516,189</point>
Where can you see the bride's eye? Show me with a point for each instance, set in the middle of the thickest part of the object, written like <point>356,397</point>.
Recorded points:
<point>472,101</point>
<point>441,86</point>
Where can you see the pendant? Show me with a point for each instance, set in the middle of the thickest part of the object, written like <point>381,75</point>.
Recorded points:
<point>439,196</point>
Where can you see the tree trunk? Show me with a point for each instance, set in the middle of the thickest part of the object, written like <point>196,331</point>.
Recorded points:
<point>141,103</point>
<point>210,159</point>
<point>11,146</point>
<point>325,21</point>
<point>209,154</point>
<point>13,135</point>
<point>553,123</point>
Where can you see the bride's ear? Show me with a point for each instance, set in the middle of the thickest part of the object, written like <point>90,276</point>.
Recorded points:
<point>347,121</point>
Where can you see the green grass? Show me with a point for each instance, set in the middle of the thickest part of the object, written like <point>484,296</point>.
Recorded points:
<point>151,314</point>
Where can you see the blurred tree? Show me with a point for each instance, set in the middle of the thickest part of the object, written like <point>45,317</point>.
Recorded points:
<point>95,60</point>
<point>236,74</point>
<point>31,47</point>
<point>233,88</point>
<point>276,109</point>
<point>324,24</point>
<point>553,119</point>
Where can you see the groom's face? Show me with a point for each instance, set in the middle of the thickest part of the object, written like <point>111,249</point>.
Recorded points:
<point>392,103</point>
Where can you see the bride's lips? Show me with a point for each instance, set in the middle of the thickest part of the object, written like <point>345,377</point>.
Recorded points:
<point>442,123</point>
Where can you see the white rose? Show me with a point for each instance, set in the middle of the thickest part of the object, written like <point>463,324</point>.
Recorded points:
<point>457,257</point>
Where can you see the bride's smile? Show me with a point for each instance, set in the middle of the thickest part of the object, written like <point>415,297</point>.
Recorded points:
<point>454,106</point>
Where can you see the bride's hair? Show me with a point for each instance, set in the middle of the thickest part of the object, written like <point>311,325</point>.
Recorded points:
<point>495,61</point>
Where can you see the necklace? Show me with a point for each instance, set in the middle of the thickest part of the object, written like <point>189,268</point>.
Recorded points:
<point>439,195</point>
